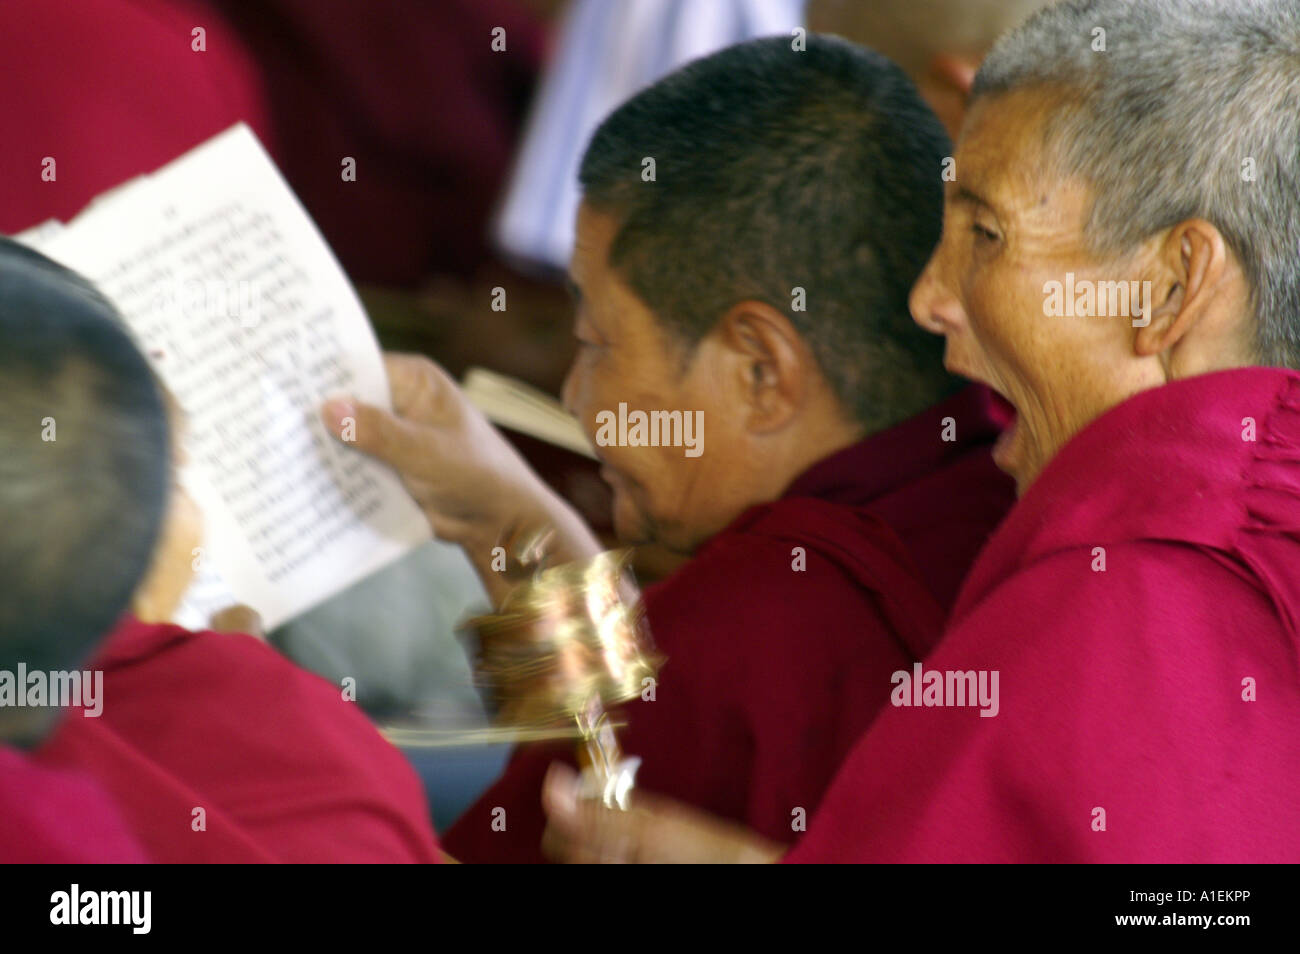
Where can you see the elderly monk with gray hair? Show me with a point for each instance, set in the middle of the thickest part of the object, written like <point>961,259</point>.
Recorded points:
<point>1140,606</point>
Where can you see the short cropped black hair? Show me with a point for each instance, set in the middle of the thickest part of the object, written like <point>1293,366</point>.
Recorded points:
<point>777,168</point>
<point>80,513</point>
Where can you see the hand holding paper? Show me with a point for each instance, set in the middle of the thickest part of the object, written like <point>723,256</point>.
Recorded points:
<point>470,481</point>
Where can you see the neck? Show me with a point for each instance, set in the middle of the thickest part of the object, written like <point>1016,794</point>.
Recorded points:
<point>813,444</point>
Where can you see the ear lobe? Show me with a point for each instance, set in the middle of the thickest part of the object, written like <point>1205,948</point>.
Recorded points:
<point>1155,329</point>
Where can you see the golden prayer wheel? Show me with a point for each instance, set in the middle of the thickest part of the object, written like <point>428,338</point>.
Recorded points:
<point>568,642</point>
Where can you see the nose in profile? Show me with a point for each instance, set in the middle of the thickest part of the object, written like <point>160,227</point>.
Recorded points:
<point>933,306</point>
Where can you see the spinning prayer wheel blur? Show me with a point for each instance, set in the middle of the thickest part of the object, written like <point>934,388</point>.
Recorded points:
<point>568,642</point>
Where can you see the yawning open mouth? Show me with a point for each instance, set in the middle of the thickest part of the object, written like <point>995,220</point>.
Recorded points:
<point>1004,412</point>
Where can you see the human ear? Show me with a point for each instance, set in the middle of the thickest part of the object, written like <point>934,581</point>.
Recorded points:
<point>1190,264</point>
<point>770,363</point>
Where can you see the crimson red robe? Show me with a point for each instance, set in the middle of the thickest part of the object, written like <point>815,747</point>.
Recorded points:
<point>50,816</point>
<point>283,767</point>
<point>110,90</point>
<point>773,673</point>
<point>1150,710</point>
<point>428,112</point>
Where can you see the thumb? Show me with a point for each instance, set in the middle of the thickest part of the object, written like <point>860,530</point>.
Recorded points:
<point>237,619</point>
<point>397,442</point>
<point>560,796</point>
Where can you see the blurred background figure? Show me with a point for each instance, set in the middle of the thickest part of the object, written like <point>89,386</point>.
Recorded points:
<point>938,43</point>
<point>605,53</point>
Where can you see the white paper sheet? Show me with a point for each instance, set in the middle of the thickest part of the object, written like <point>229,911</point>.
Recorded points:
<point>250,321</point>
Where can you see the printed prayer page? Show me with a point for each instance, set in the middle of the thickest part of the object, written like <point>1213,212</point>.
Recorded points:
<point>251,323</point>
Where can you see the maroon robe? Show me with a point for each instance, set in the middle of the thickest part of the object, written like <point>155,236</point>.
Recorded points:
<point>48,816</point>
<point>110,90</point>
<point>773,672</point>
<point>282,766</point>
<point>1149,711</point>
<point>415,93</point>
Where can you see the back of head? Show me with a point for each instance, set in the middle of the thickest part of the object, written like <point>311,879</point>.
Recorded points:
<point>84,463</point>
<point>1172,110</point>
<point>807,179</point>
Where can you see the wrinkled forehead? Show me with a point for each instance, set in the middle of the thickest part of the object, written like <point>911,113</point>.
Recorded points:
<point>1009,148</point>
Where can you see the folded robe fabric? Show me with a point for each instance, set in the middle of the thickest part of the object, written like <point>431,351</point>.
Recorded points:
<point>1141,606</point>
<point>51,816</point>
<point>773,672</point>
<point>217,749</point>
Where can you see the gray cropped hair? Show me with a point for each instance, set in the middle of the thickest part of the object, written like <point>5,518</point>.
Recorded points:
<point>1192,110</point>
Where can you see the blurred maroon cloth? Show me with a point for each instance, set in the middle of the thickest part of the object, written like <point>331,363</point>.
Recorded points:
<point>412,91</point>
<point>773,674</point>
<point>110,89</point>
<point>1120,690</point>
<point>48,816</point>
<point>283,767</point>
